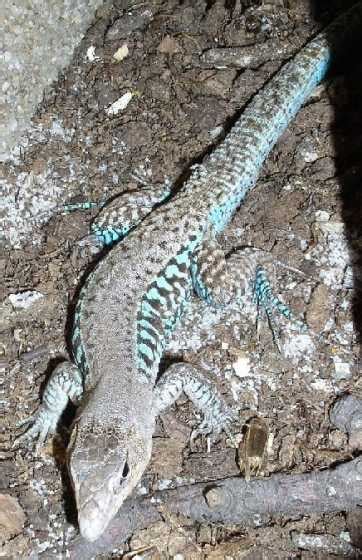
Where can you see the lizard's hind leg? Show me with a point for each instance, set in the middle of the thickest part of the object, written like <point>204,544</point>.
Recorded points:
<point>184,377</point>
<point>126,211</point>
<point>120,215</point>
<point>218,280</point>
<point>212,277</point>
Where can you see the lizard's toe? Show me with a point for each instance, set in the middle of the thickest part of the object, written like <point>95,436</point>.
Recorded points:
<point>212,425</point>
<point>40,424</point>
<point>90,243</point>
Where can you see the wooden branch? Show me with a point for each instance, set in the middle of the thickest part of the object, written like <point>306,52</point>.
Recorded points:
<point>346,415</point>
<point>134,515</point>
<point>233,500</point>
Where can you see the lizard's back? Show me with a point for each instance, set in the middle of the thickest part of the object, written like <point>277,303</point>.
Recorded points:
<point>132,299</point>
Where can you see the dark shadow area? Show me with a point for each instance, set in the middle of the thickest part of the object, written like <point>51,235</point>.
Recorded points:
<point>345,94</point>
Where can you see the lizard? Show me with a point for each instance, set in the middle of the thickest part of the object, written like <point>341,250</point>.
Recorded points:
<point>161,249</point>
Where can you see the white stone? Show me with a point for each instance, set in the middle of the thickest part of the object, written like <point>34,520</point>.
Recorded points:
<point>121,53</point>
<point>120,104</point>
<point>332,227</point>
<point>91,54</point>
<point>24,300</point>
<point>342,370</point>
<point>322,216</point>
<point>242,366</point>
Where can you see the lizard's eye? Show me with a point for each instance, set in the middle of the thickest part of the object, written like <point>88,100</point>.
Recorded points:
<point>125,471</point>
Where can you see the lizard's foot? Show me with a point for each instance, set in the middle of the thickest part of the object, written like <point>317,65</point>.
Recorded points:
<point>212,425</point>
<point>88,205</point>
<point>65,383</point>
<point>91,243</point>
<point>41,424</point>
<point>123,213</point>
<point>183,377</point>
<point>219,280</point>
<point>265,299</point>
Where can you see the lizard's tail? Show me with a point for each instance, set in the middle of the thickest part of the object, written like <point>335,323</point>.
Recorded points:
<point>232,169</point>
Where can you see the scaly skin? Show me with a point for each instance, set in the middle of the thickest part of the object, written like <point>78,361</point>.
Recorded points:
<point>131,301</point>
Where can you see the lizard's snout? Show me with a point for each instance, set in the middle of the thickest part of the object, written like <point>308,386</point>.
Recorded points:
<point>97,504</point>
<point>91,521</point>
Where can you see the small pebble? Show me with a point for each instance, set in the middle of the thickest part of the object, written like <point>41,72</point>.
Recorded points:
<point>214,497</point>
<point>242,366</point>
<point>24,300</point>
<point>120,104</point>
<point>322,216</point>
<point>342,370</point>
<point>121,53</point>
<point>91,54</point>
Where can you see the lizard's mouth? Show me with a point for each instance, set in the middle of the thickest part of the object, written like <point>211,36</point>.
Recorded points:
<point>93,519</point>
<point>98,505</point>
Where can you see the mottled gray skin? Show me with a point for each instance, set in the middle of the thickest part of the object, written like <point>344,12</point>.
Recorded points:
<point>112,436</point>
<point>120,400</point>
<point>99,449</point>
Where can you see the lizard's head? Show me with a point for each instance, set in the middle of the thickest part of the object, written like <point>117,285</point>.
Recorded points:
<point>105,464</point>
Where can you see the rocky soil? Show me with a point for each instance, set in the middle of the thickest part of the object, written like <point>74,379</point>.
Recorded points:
<point>151,89</point>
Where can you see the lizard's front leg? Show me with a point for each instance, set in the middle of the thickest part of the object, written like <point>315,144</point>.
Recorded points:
<point>65,383</point>
<point>188,379</point>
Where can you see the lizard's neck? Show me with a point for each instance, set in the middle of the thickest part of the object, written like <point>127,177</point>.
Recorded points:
<point>120,397</point>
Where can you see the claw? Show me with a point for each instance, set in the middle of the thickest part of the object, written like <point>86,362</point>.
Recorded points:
<point>43,424</point>
<point>139,177</point>
<point>273,327</point>
<point>211,426</point>
<point>229,433</point>
<point>199,431</point>
<point>91,241</point>
<point>264,298</point>
<point>25,421</point>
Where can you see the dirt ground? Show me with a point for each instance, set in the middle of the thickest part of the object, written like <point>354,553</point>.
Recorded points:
<point>306,210</point>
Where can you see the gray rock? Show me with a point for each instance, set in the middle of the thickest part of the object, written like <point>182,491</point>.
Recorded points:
<point>37,40</point>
